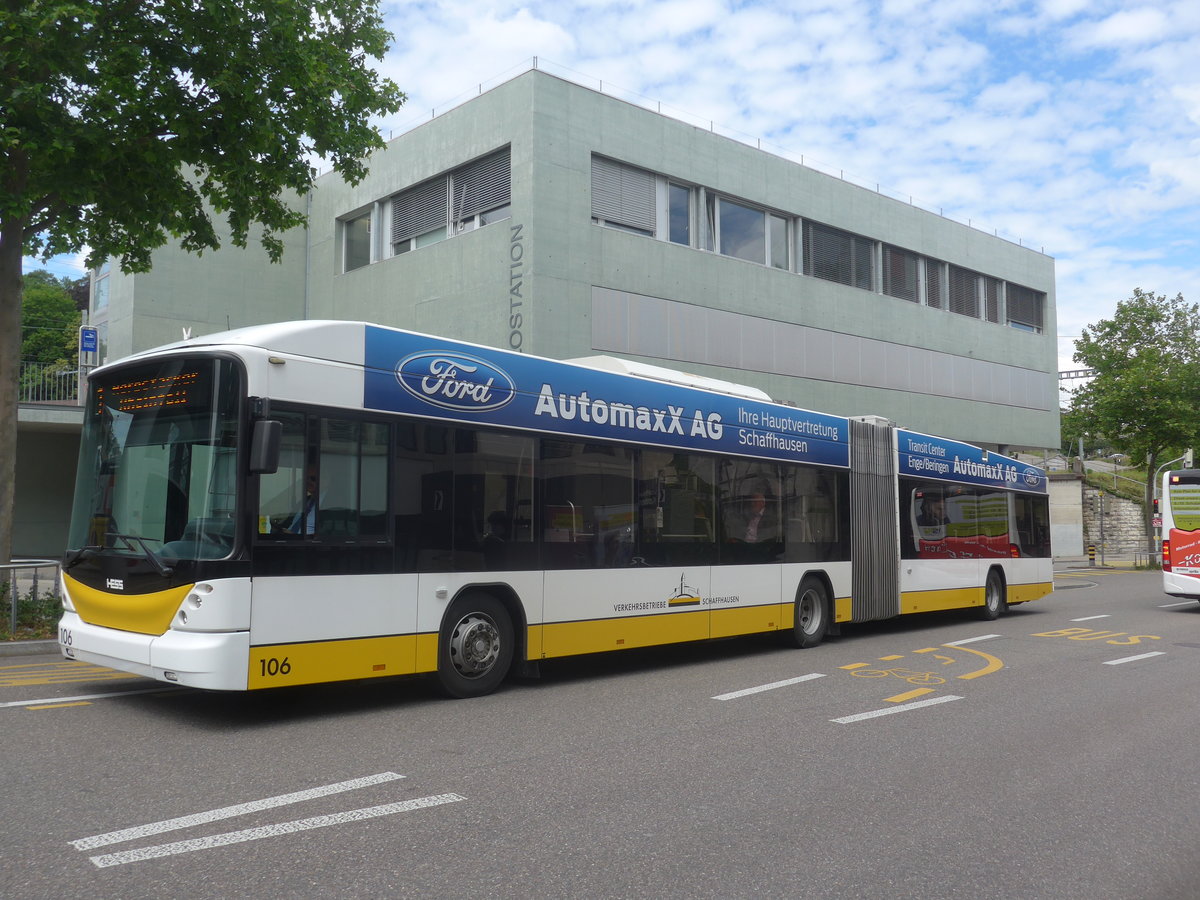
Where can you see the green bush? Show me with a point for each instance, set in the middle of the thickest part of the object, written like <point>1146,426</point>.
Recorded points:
<point>37,617</point>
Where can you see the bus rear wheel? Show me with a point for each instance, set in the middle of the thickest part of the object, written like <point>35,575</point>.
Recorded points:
<point>811,620</point>
<point>994,603</point>
<point>475,647</point>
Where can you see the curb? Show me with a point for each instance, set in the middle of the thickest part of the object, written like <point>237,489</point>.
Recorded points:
<point>27,648</point>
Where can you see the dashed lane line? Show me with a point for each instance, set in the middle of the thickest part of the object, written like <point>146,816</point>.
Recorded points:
<point>228,812</point>
<point>892,710</point>
<point>745,692</point>
<point>266,831</point>
<point>1128,659</point>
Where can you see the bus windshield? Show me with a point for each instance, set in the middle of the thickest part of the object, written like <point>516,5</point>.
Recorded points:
<point>158,461</point>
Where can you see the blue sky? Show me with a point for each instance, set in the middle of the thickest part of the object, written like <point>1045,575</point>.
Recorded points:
<point>1071,126</point>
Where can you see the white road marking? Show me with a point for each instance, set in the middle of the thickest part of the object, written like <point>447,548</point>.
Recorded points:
<point>1117,662</point>
<point>985,637</point>
<point>1173,605</point>
<point>733,695</point>
<point>228,812</point>
<point>1089,618</point>
<point>155,690</point>
<point>892,710</point>
<point>255,834</point>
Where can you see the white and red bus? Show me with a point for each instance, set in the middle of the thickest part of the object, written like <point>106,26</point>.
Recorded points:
<point>323,500</point>
<point>1180,511</point>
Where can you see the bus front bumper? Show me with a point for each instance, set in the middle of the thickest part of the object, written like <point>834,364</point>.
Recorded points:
<point>214,662</point>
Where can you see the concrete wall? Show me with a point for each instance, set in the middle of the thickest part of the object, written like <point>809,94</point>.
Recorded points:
<point>1066,515</point>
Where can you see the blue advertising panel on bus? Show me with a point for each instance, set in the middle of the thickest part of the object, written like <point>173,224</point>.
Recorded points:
<point>426,376</point>
<point>924,456</point>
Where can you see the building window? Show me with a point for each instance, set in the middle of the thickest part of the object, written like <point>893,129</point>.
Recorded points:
<point>100,288</point>
<point>679,210</point>
<point>837,255</point>
<point>356,242</point>
<point>777,242</point>
<point>900,273</point>
<point>741,232</point>
<point>745,232</point>
<point>935,281</point>
<point>623,196</point>
<point>964,292</point>
<point>419,216</point>
<point>1025,307</point>
<point>991,298</point>
<point>467,198</point>
<point>481,192</point>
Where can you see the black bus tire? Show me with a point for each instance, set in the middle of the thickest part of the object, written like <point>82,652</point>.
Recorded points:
<point>811,620</point>
<point>994,602</point>
<point>475,646</point>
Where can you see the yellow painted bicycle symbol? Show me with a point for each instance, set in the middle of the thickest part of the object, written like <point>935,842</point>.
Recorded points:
<point>903,674</point>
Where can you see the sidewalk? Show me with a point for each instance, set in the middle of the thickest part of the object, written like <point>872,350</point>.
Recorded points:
<point>1119,560</point>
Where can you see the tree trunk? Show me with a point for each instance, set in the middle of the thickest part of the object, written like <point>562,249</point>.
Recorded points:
<point>1148,508</point>
<point>11,247</point>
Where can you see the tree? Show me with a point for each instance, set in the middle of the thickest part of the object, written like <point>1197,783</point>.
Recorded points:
<point>49,319</point>
<point>122,122</point>
<point>1146,392</point>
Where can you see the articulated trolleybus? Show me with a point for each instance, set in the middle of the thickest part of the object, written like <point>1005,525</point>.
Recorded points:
<point>1180,509</point>
<point>320,501</point>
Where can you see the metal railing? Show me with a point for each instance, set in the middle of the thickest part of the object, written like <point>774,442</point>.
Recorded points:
<point>20,582</point>
<point>47,383</point>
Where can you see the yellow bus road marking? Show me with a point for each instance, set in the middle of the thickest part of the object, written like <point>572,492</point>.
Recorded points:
<point>256,834</point>
<point>63,664</point>
<point>855,666</point>
<point>229,812</point>
<point>926,650</point>
<point>890,658</point>
<point>102,675</point>
<point>733,695</point>
<point>993,664</point>
<point>901,698</point>
<point>61,705</point>
<point>154,690</point>
<point>892,710</point>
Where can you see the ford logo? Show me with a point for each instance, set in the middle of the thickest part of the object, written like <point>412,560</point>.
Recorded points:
<point>1032,477</point>
<point>455,381</point>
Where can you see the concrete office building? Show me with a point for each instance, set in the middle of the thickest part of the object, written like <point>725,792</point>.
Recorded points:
<point>554,219</point>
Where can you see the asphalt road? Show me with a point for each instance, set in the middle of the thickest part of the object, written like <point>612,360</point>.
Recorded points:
<point>1048,754</point>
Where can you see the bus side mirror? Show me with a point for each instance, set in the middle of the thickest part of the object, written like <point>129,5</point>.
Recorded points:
<point>264,446</point>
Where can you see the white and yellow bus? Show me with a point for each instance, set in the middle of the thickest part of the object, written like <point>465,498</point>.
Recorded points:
<point>1180,511</point>
<point>318,501</point>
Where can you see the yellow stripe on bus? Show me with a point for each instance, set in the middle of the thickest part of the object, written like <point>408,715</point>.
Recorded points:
<point>598,635</point>
<point>935,601</point>
<point>319,661</point>
<point>1021,593</point>
<point>140,613</point>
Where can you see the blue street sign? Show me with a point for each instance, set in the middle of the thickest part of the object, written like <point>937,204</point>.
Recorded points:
<point>88,342</point>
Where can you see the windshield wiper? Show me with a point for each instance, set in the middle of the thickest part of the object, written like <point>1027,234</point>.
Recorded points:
<point>73,556</point>
<point>135,542</point>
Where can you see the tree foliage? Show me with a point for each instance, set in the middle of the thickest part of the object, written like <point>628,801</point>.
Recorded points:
<point>49,320</point>
<point>1145,396</point>
<point>124,122</point>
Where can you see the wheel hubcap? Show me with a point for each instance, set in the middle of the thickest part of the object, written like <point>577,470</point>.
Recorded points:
<point>810,612</point>
<point>474,645</point>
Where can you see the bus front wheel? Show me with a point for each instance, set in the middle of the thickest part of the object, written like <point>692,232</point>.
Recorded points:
<point>812,614</point>
<point>475,648</point>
